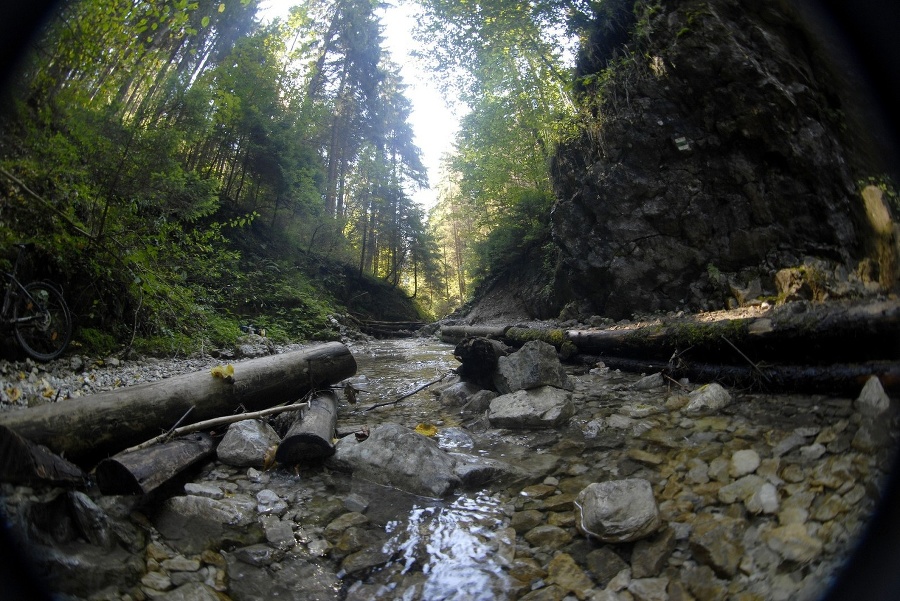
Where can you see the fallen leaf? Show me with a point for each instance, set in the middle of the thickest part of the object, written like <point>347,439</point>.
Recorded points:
<point>426,429</point>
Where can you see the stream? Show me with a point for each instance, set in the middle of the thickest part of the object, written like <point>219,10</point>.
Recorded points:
<point>320,533</point>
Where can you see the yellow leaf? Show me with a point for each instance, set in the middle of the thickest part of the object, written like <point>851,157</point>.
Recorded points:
<point>222,7</point>
<point>226,372</point>
<point>14,394</point>
<point>426,429</point>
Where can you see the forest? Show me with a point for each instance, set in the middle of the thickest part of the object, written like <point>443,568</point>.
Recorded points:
<point>184,167</point>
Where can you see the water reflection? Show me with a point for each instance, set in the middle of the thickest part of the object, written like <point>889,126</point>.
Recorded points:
<point>454,546</point>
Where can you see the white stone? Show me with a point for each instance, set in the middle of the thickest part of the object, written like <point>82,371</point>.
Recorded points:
<point>743,462</point>
<point>764,500</point>
<point>710,397</point>
<point>872,401</point>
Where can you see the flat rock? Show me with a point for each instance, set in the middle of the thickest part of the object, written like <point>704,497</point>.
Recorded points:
<point>245,443</point>
<point>399,457</point>
<point>707,398</point>
<point>543,407</point>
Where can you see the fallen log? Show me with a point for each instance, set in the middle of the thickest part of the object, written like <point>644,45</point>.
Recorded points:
<point>23,462</point>
<point>139,472</point>
<point>91,428</point>
<point>800,334</point>
<point>839,379</point>
<point>311,436</point>
<point>455,334</point>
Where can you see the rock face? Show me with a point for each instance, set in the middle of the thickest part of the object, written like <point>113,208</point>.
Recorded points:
<point>719,162</point>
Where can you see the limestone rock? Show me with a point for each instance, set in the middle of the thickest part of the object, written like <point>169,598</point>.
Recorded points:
<point>617,511</point>
<point>872,400</point>
<point>532,366</point>
<point>245,443</point>
<point>458,394</point>
<point>743,462</point>
<point>793,543</point>
<point>716,542</point>
<point>567,575</point>
<point>396,456</point>
<point>707,398</point>
<point>650,554</point>
<point>544,407</point>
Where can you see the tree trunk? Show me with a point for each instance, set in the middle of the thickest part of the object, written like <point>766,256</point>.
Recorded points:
<point>91,428</point>
<point>455,334</point>
<point>139,472</point>
<point>311,436</point>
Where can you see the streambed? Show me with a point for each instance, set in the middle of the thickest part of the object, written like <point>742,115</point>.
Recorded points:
<point>324,534</point>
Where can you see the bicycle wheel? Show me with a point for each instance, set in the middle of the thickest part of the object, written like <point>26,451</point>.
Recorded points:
<point>42,321</point>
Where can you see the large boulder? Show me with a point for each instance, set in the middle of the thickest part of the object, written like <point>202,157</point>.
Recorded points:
<point>617,511</point>
<point>396,456</point>
<point>544,407</point>
<point>533,365</point>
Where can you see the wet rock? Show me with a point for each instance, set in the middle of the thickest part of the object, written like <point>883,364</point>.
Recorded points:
<point>279,534</point>
<point>544,407</point>
<point>202,489</point>
<point>296,580</point>
<point>92,521</point>
<point>458,394</point>
<point>701,581</point>
<point>245,443</point>
<point>567,575</point>
<point>192,591</point>
<point>523,521</point>
<point>649,589</point>
<point>707,398</point>
<point>258,555</point>
<point>192,524</point>
<point>548,536</point>
<point>649,382</point>
<point>534,365</point>
<point>474,471</point>
<point>617,511</point>
<point>604,563</point>
<point>364,559</point>
<point>716,541</point>
<point>396,456</point>
<point>83,569</point>
<point>872,400</point>
<point>479,402</point>
<point>336,527</point>
<point>269,503</point>
<point>650,554</point>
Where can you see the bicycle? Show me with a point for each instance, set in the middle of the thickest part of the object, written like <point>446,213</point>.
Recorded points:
<point>37,314</point>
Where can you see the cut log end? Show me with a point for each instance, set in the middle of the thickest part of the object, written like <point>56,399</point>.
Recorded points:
<point>302,448</point>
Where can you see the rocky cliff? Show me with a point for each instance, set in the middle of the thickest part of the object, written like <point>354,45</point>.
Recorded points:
<point>714,166</point>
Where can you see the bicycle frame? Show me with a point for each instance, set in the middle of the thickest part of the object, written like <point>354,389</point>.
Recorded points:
<point>14,288</point>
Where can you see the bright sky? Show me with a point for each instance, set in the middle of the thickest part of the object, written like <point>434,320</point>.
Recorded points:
<point>432,120</point>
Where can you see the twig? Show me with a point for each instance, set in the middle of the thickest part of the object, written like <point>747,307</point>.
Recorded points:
<point>746,358</point>
<point>676,382</point>
<point>409,394</point>
<point>216,421</point>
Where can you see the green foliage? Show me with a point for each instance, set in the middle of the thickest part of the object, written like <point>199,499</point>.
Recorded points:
<point>95,342</point>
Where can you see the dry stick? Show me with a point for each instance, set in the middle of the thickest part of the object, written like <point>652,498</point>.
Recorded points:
<point>216,421</point>
<point>752,364</point>
<point>409,394</point>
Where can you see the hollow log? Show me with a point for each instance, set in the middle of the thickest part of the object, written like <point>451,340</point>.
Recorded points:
<point>91,428</point>
<point>23,462</point>
<point>311,437</point>
<point>139,472</point>
<point>455,334</point>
